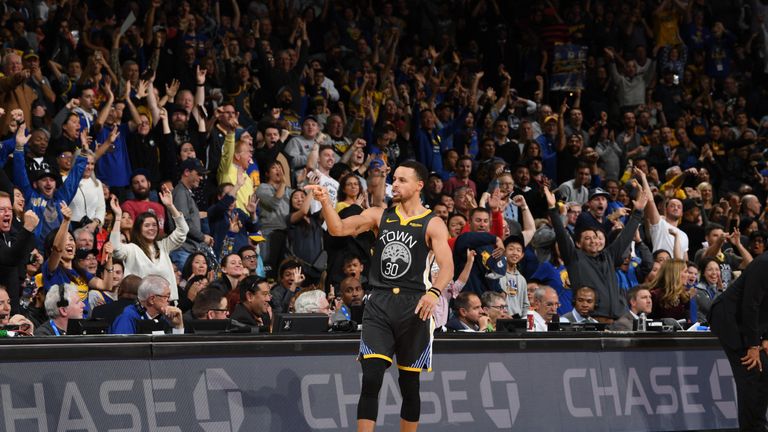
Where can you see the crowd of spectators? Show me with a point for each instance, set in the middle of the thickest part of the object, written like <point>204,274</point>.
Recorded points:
<point>154,154</point>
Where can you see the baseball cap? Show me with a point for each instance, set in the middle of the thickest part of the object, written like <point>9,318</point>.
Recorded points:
<point>596,192</point>
<point>257,236</point>
<point>553,117</point>
<point>30,54</point>
<point>42,173</point>
<point>193,164</point>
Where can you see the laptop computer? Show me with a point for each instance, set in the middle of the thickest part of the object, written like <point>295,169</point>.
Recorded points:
<point>302,323</point>
<point>512,325</point>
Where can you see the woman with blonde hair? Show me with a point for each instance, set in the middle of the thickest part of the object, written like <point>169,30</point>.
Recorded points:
<point>671,298</point>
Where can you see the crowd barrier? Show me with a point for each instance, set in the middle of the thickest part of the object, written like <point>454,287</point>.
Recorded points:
<point>480,382</point>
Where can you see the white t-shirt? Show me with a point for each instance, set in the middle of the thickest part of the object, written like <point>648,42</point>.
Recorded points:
<point>662,239</point>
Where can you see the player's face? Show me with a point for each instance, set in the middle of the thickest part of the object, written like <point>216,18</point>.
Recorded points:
<point>405,184</point>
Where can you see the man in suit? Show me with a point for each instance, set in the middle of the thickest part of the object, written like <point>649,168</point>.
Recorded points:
<point>469,314</point>
<point>640,302</point>
<point>739,318</point>
<point>584,301</point>
<point>15,248</point>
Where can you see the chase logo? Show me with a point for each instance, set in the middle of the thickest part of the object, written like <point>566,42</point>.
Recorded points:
<point>725,403</point>
<point>218,380</point>
<point>503,412</point>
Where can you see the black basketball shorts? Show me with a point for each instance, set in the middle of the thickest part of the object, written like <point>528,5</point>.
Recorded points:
<point>391,328</point>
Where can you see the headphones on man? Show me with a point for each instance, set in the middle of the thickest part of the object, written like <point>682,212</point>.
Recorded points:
<point>63,301</point>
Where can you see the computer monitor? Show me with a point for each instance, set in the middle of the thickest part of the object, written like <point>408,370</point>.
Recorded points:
<point>87,327</point>
<point>213,326</point>
<point>512,325</point>
<point>302,323</point>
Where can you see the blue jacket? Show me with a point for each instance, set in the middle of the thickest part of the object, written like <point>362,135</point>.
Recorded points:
<point>125,323</point>
<point>429,146</point>
<point>38,203</point>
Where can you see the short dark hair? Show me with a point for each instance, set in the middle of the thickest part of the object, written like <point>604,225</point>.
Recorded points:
<point>248,284</point>
<point>288,264</point>
<point>478,210</point>
<point>581,231</point>
<point>245,248</point>
<point>207,299</point>
<point>462,301</point>
<point>422,174</point>
<point>349,257</point>
<point>632,293</point>
<point>711,227</point>
<point>464,157</point>
<point>582,288</point>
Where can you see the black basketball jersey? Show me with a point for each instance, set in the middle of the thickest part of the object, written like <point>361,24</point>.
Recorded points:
<point>400,252</point>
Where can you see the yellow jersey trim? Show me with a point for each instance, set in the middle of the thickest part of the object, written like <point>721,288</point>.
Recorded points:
<point>404,220</point>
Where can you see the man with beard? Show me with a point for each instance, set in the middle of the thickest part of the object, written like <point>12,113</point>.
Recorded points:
<point>595,215</point>
<point>661,227</point>
<point>399,311</point>
<point>351,295</point>
<point>140,186</point>
<point>41,191</point>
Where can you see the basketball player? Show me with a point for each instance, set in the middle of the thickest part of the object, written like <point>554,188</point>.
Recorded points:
<point>398,314</point>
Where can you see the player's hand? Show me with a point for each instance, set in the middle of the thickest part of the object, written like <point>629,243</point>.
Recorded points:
<point>319,193</point>
<point>752,359</point>
<point>426,307</point>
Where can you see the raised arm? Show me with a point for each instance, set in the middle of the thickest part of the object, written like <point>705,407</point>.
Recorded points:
<point>529,225</point>
<point>735,239</point>
<point>651,212</point>
<point>567,248</point>
<point>350,226</point>
<point>105,107</point>
<point>60,240</point>
<point>135,118</point>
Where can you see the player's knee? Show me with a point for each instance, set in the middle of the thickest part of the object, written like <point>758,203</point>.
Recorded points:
<point>409,388</point>
<point>373,375</point>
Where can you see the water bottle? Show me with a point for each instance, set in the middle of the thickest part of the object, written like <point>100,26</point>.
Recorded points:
<point>641,320</point>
